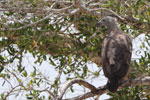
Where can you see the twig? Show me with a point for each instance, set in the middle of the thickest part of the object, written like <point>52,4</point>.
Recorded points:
<point>126,19</point>
<point>28,25</point>
<point>45,18</point>
<point>11,91</point>
<point>78,4</point>
<point>66,28</point>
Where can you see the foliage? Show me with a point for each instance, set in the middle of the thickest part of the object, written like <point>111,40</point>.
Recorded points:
<point>61,36</point>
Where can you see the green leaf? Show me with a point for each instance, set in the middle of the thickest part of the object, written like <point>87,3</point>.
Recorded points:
<point>51,61</point>
<point>51,27</point>
<point>71,88</point>
<point>1,59</point>
<point>25,73</point>
<point>1,68</point>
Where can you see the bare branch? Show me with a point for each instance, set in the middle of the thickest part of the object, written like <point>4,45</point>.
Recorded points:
<point>15,29</point>
<point>38,90</point>
<point>51,11</point>
<point>71,82</point>
<point>78,4</point>
<point>102,89</point>
<point>9,92</point>
<point>126,19</point>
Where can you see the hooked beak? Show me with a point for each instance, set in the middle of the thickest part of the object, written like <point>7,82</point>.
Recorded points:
<point>99,25</point>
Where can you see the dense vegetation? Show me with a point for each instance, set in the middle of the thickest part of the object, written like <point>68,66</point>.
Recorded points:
<point>60,32</point>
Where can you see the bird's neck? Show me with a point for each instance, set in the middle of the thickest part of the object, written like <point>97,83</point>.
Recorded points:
<point>113,29</point>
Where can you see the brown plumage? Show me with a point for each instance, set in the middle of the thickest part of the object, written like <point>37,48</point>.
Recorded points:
<point>116,53</point>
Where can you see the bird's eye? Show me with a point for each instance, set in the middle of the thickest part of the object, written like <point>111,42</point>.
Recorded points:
<point>104,20</point>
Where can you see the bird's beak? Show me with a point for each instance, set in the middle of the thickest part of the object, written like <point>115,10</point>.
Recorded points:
<point>99,25</point>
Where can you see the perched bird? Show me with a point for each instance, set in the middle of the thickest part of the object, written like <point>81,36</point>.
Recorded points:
<point>116,52</point>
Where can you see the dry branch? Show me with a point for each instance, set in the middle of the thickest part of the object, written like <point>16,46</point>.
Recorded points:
<point>71,82</point>
<point>102,89</point>
<point>130,20</point>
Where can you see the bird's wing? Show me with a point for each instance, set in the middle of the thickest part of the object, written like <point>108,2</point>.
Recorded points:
<point>116,55</point>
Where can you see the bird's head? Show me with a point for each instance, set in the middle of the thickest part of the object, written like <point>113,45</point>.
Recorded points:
<point>107,21</point>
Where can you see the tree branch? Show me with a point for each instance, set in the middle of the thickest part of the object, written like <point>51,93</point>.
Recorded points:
<point>34,23</point>
<point>78,4</point>
<point>72,8</point>
<point>102,89</point>
<point>130,20</point>
<point>71,82</point>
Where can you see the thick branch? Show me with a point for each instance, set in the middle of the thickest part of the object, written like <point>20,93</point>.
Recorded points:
<point>71,82</point>
<point>102,89</point>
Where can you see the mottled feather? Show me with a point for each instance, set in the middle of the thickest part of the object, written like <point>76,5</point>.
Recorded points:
<point>116,53</point>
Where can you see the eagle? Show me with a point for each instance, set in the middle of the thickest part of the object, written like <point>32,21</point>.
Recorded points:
<point>116,52</point>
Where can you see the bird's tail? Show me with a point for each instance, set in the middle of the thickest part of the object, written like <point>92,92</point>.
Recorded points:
<point>112,86</point>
